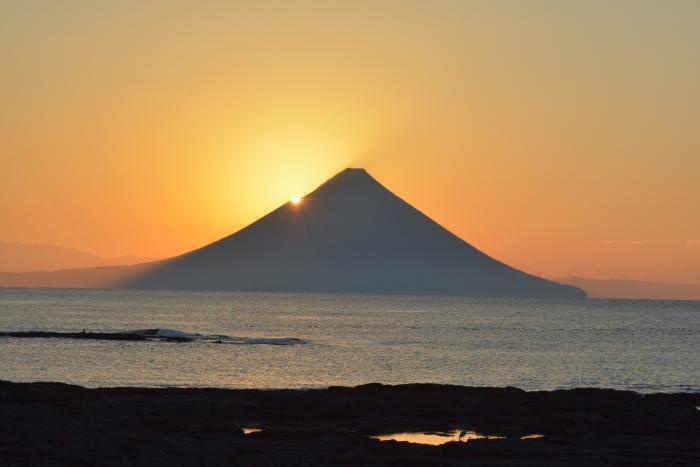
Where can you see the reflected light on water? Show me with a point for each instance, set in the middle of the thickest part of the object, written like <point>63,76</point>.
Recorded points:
<point>435,438</point>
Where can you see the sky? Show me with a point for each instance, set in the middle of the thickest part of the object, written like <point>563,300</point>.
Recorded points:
<point>562,138</point>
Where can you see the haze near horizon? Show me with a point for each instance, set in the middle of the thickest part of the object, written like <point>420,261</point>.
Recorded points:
<point>560,138</point>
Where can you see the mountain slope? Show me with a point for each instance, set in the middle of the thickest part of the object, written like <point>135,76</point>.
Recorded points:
<point>105,277</point>
<point>349,235</point>
<point>19,257</point>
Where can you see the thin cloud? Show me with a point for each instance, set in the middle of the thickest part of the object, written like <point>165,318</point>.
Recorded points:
<point>693,243</point>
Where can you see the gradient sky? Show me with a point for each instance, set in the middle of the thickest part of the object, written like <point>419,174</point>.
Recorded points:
<point>560,137</point>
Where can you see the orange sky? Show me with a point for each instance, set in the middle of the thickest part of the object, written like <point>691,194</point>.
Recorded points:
<point>559,137</point>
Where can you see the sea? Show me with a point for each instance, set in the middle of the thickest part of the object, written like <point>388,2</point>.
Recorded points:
<point>261,340</point>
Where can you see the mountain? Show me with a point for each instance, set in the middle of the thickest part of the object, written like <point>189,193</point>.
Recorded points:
<point>18,257</point>
<point>625,288</point>
<point>350,235</point>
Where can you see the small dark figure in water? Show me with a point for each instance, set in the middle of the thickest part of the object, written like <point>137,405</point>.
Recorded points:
<point>84,331</point>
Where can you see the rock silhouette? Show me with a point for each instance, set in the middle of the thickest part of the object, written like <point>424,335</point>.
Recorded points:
<point>58,424</point>
<point>350,235</point>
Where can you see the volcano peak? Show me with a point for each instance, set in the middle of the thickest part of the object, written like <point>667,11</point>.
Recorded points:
<point>350,235</point>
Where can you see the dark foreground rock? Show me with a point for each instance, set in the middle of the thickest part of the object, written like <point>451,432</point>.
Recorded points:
<point>57,424</point>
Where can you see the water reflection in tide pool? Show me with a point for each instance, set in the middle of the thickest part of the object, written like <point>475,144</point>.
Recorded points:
<point>435,438</point>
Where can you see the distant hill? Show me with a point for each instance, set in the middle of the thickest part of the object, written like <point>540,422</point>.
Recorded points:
<point>624,288</point>
<point>18,257</point>
<point>350,235</point>
<point>105,277</point>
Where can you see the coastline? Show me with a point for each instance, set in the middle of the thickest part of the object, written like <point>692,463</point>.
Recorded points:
<point>59,424</point>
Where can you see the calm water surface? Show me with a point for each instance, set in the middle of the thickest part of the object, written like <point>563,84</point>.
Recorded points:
<point>645,346</point>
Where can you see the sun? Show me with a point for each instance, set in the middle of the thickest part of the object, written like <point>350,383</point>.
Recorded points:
<point>295,199</point>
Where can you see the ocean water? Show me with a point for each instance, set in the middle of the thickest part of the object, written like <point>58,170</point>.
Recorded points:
<point>300,341</point>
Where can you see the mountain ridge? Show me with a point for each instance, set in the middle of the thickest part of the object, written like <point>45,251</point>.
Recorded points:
<point>16,257</point>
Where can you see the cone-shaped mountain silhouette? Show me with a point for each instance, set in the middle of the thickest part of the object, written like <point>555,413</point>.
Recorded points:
<point>349,235</point>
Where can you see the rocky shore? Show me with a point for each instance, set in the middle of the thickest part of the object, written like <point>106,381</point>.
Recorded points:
<point>144,335</point>
<point>58,424</point>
